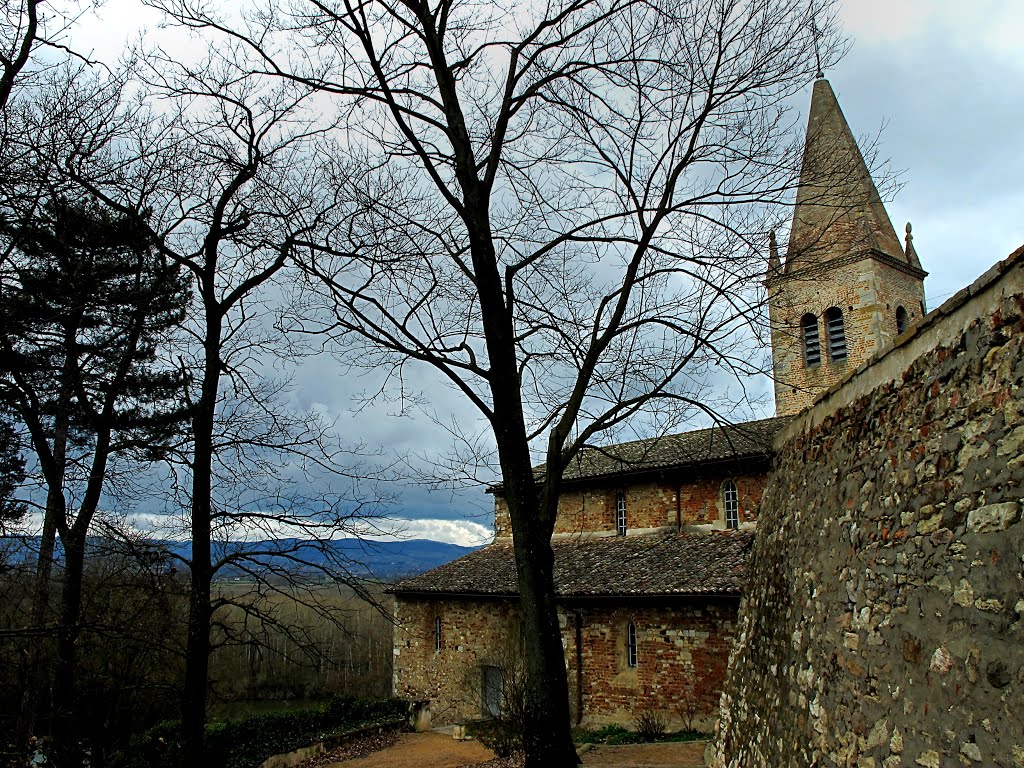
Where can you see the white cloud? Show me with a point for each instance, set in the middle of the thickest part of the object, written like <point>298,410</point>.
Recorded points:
<point>462,532</point>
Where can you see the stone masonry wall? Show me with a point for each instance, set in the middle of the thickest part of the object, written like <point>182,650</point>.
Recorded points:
<point>649,504</point>
<point>682,651</point>
<point>883,623</point>
<point>474,634</point>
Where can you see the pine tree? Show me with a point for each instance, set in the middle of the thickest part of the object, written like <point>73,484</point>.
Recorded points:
<point>86,300</point>
<point>12,472</point>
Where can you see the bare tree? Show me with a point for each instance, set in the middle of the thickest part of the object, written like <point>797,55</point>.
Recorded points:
<point>225,179</point>
<point>25,27</point>
<point>560,208</point>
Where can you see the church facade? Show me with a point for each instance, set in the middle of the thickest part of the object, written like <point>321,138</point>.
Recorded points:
<point>652,536</point>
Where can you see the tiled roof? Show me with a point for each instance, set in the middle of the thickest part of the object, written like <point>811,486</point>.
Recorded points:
<point>720,443</point>
<point>673,563</point>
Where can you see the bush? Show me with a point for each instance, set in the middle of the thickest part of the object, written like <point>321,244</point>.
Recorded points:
<point>607,734</point>
<point>688,735</point>
<point>247,743</point>
<point>503,737</point>
<point>651,725</point>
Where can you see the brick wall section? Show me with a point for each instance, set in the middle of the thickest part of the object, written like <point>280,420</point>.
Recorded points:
<point>867,291</point>
<point>650,504</point>
<point>883,623</point>
<point>681,655</point>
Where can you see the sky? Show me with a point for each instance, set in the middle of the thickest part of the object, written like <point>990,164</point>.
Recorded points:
<point>936,81</point>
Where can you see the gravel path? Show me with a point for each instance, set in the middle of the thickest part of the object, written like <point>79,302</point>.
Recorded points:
<point>437,750</point>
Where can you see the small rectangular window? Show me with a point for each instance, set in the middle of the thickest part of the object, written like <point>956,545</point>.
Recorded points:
<point>620,513</point>
<point>437,634</point>
<point>731,502</point>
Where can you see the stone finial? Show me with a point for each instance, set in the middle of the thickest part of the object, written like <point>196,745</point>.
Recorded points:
<point>910,252</point>
<point>773,254</point>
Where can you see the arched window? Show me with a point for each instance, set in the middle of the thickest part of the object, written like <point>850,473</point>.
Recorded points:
<point>731,502</point>
<point>437,634</point>
<point>901,320</point>
<point>836,330</point>
<point>631,644</point>
<point>620,513</point>
<point>812,345</point>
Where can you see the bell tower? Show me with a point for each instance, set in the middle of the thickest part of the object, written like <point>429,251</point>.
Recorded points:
<point>847,287</point>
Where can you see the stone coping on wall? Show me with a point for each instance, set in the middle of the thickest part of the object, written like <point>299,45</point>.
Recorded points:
<point>943,325</point>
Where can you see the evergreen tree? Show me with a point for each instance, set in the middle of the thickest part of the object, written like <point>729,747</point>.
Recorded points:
<point>12,472</point>
<point>86,300</point>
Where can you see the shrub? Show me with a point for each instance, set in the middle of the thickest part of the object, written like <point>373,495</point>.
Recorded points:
<point>503,737</point>
<point>651,724</point>
<point>606,734</point>
<point>247,743</point>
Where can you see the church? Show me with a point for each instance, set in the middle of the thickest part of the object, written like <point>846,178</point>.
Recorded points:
<point>652,536</point>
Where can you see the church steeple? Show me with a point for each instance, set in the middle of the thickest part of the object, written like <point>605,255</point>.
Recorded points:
<point>838,209</point>
<point>848,286</point>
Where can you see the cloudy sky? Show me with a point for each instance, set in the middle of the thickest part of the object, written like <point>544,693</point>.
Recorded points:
<point>939,79</point>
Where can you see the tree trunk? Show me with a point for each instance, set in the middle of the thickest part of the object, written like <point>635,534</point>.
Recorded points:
<point>197,649</point>
<point>67,752</point>
<point>547,729</point>
<point>56,510</point>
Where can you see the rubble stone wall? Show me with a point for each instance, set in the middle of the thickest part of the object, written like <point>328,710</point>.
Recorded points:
<point>883,623</point>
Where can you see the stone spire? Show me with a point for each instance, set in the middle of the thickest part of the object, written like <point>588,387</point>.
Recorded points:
<point>838,211</point>
<point>774,265</point>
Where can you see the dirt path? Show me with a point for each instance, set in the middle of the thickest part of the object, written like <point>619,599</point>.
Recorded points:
<point>438,750</point>
<point>424,750</point>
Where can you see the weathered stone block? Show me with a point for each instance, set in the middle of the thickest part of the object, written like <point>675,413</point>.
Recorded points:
<point>993,517</point>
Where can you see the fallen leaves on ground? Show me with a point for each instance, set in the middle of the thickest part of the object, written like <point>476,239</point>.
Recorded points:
<point>361,746</point>
<point>515,760</point>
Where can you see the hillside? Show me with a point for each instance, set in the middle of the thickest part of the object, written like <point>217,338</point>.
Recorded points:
<point>384,560</point>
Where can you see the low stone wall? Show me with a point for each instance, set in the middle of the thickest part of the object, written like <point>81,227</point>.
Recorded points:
<point>883,624</point>
<point>317,748</point>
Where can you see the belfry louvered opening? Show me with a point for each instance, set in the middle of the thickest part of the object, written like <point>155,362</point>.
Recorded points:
<point>812,344</point>
<point>835,329</point>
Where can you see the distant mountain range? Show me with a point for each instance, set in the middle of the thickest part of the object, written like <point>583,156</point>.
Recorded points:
<point>385,560</point>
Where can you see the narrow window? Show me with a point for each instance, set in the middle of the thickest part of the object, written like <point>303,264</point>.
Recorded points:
<point>631,644</point>
<point>901,320</point>
<point>620,513</point>
<point>437,634</point>
<point>731,501</point>
<point>836,334</point>
<point>812,345</point>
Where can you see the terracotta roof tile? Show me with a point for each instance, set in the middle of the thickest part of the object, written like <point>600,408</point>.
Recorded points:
<point>720,443</point>
<point>670,563</point>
